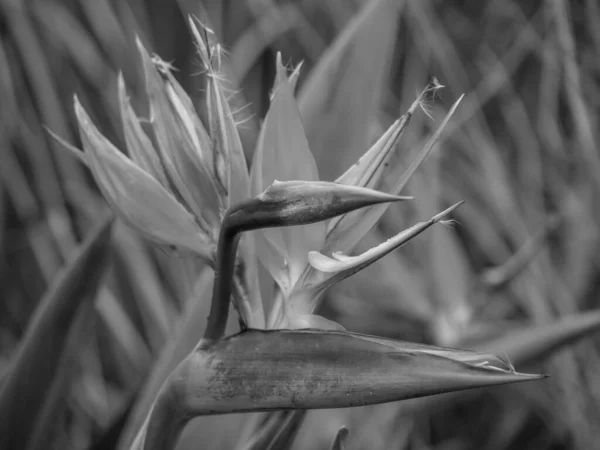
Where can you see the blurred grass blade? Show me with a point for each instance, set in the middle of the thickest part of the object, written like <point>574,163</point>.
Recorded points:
<point>109,439</point>
<point>497,277</point>
<point>341,266</point>
<point>36,363</point>
<point>277,432</point>
<point>185,337</point>
<point>282,154</point>
<point>351,230</point>
<point>533,343</point>
<point>138,198</point>
<point>43,428</point>
<point>340,439</point>
<point>71,149</point>
<point>342,94</point>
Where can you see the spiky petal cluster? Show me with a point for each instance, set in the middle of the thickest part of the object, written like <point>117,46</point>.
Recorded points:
<point>297,257</point>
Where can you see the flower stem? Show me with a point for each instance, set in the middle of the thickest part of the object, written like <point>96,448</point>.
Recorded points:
<point>239,218</point>
<point>223,283</point>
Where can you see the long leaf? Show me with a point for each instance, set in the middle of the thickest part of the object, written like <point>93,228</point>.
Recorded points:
<point>36,363</point>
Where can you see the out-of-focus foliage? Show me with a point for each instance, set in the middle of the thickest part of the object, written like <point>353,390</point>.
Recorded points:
<point>515,274</point>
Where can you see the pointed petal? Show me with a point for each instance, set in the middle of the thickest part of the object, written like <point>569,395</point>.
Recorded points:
<point>140,147</point>
<point>184,106</point>
<point>368,169</point>
<point>282,146</point>
<point>294,76</point>
<point>282,153</point>
<point>141,201</point>
<point>181,157</point>
<point>362,172</point>
<point>227,145</point>
<point>351,228</point>
<point>341,266</point>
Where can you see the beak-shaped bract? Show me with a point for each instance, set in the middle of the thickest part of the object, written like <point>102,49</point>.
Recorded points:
<point>263,370</point>
<point>289,203</point>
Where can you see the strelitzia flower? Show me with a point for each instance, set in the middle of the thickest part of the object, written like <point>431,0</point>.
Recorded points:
<point>187,187</point>
<point>297,257</point>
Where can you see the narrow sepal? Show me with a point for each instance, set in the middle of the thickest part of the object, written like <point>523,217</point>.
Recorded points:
<point>341,266</point>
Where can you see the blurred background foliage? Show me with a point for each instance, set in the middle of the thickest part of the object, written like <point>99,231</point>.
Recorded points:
<point>521,150</point>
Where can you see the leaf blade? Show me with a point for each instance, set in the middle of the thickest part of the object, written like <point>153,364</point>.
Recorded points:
<point>36,363</point>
